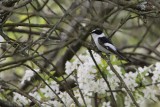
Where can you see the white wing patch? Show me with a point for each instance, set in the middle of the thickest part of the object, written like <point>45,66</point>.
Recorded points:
<point>111,46</point>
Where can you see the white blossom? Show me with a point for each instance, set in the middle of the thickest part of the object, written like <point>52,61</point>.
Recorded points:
<point>87,73</point>
<point>150,92</point>
<point>28,75</point>
<point>20,99</point>
<point>65,97</point>
<point>113,80</point>
<point>128,102</point>
<point>87,98</point>
<point>48,92</point>
<point>70,67</point>
<point>157,66</point>
<point>106,104</point>
<point>90,82</point>
<point>36,95</point>
<point>130,80</point>
<point>156,73</point>
<point>140,100</point>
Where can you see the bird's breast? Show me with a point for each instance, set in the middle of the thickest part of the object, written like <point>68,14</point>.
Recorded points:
<point>100,47</point>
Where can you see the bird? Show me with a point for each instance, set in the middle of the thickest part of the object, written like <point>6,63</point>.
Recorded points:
<point>104,44</point>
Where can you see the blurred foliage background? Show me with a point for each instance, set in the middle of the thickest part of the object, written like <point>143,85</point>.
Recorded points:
<point>44,34</point>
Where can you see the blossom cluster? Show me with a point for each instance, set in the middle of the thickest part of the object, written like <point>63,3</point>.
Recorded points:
<point>89,81</point>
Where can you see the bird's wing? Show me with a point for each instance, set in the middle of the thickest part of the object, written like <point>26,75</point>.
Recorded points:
<point>106,43</point>
<point>104,40</point>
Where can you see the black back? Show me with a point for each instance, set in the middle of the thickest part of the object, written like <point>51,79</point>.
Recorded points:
<point>97,31</point>
<point>104,40</point>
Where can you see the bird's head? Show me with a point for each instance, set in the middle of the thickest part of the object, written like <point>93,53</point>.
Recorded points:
<point>97,31</point>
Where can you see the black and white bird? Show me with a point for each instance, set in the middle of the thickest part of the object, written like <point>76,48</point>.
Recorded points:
<point>104,44</point>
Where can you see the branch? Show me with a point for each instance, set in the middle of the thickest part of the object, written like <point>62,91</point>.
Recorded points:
<point>104,77</point>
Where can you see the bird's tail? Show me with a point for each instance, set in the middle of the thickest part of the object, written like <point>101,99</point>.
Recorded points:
<point>119,54</point>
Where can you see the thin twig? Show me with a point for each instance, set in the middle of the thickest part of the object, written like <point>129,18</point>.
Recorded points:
<point>125,86</point>
<point>104,77</point>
